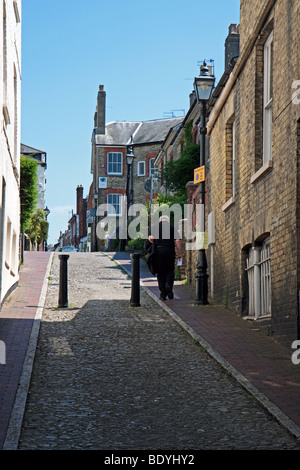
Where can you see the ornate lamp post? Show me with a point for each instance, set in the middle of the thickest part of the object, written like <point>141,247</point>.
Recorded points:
<point>130,158</point>
<point>203,86</point>
<point>129,190</point>
<point>95,221</point>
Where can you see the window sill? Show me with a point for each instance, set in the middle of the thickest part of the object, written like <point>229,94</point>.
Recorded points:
<point>228,204</point>
<point>264,169</point>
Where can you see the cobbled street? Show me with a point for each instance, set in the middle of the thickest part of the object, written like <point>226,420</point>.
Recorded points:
<point>109,376</point>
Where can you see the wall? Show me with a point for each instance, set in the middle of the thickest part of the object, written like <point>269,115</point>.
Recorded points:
<point>265,204</point>
<point>10,85</point>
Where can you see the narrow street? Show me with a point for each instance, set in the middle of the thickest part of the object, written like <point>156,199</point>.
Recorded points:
<point>108,376</point>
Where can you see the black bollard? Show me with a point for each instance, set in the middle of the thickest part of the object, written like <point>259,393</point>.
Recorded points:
<point>135,280</point>
<point>63,281</point>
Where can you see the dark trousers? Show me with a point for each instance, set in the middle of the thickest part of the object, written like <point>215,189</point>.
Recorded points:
<point>165,268</point>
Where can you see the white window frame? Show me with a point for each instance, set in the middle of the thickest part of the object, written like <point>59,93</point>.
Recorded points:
<point>233,160</point>
<point>112,202</point>
<point>268,99</point>
<point>151,165</point>
<point>115,156</point>
<point>259,279</point>
<point>139,172</point>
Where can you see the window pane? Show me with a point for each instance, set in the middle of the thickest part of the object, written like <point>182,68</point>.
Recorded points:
<point>114,163</point>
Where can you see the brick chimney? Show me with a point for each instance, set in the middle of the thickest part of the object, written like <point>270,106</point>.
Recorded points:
<point>100,113</point>
<point>232,44</point>
<point>80,210</point>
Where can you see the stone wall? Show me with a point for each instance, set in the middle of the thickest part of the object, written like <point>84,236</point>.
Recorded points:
<point>266,197</point>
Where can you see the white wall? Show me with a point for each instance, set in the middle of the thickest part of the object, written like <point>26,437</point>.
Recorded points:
<point>10,113</point>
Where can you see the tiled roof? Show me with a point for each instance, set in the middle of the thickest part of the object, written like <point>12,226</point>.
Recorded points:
<point>30,150</point>
<point>119,133</point>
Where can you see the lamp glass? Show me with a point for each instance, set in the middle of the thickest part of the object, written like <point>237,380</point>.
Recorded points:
<point>203,86</point>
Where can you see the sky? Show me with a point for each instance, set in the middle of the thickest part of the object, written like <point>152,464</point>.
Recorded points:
<point>146,54</point>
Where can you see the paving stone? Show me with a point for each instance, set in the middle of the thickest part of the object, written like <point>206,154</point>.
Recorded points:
<point>109,376</point>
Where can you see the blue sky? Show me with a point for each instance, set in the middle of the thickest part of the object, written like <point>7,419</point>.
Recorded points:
<point>146,55</point>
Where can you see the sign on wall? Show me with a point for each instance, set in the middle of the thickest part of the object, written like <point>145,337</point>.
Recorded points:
<point>199,174</point>
<point>102,182</point>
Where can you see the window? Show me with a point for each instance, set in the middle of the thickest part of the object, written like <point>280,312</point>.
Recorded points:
<point>233,159</point>
<point>230,137</point>
<point>114,200</point>
<point>114,163</point>
<point>267,99</point>
<point>259,279</point>
<point>8,243</point>
<point>141,168</point>
<point>151,166</point>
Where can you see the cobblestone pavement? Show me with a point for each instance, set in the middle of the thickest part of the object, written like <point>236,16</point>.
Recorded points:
<point>109,376</point>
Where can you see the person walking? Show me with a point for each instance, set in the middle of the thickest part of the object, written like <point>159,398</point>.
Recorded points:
<point>165,238</point>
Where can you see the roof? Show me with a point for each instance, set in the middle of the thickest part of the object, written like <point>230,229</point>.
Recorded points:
<point>119,133</point>
<point>25,149</point>
<point>155,131</point>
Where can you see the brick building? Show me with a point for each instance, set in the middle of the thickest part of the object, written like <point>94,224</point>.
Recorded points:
<point>253,191</point>
<point>110,144</point>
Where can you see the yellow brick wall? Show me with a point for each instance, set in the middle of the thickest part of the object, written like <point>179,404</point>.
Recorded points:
<point>270,203</point>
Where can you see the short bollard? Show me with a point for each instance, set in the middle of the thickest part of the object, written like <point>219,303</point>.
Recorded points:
<point>63,281</point>
<point>135,280</point>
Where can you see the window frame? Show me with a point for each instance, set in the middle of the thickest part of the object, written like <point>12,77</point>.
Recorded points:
<point>120,155</point>
<point>139,173</point>
<point>268,56</point>
<point>258,269</point>
<point>119,213</point>
<point>151,166</point>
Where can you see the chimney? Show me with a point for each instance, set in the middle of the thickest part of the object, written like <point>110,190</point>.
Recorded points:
<point>232,44</point>
<point>100,113</point>
<point>80,209</point>
<point>192,98</point>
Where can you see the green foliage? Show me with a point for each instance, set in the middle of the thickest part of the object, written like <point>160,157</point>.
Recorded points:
<point>28,190</point>
<point>137,243</point>
<point>177,173</point>
<point>38,227</point>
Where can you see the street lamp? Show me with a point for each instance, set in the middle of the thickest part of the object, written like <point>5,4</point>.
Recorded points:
<point>130,158</point>
<point>95,220</point>
<point>47,212</point>
<point>203,86</point>
<point>129,189</point>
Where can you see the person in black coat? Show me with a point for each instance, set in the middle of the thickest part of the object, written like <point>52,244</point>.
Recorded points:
<point>165,238</point>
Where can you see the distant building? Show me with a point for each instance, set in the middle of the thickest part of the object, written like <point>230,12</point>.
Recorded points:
<point>10,103</point>
<point>110,144</point>
<point>41,158</point>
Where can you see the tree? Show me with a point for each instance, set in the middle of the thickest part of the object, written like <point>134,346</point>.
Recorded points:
<point>38,228</point>
<point>28,190</point>
<point>177,173</point>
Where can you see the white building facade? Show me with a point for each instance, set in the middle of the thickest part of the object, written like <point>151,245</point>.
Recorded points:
<point>10,102</point>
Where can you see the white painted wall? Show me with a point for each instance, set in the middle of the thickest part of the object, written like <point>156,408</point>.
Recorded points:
<point>10,114</point>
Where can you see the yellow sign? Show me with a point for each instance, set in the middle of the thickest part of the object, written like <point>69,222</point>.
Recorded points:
<point>199,174</point>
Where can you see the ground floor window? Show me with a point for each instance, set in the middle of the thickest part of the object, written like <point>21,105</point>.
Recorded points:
<point>115,201</point>
<point>258,268</point>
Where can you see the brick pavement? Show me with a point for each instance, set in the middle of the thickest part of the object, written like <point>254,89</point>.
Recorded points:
<point>257,361</point>
<point>19,321</point>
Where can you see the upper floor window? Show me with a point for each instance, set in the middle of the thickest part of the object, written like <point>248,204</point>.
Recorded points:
<point>267,99</point>
<point>151,165</point>
<point>114,163</point>
<point>141,168</point>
